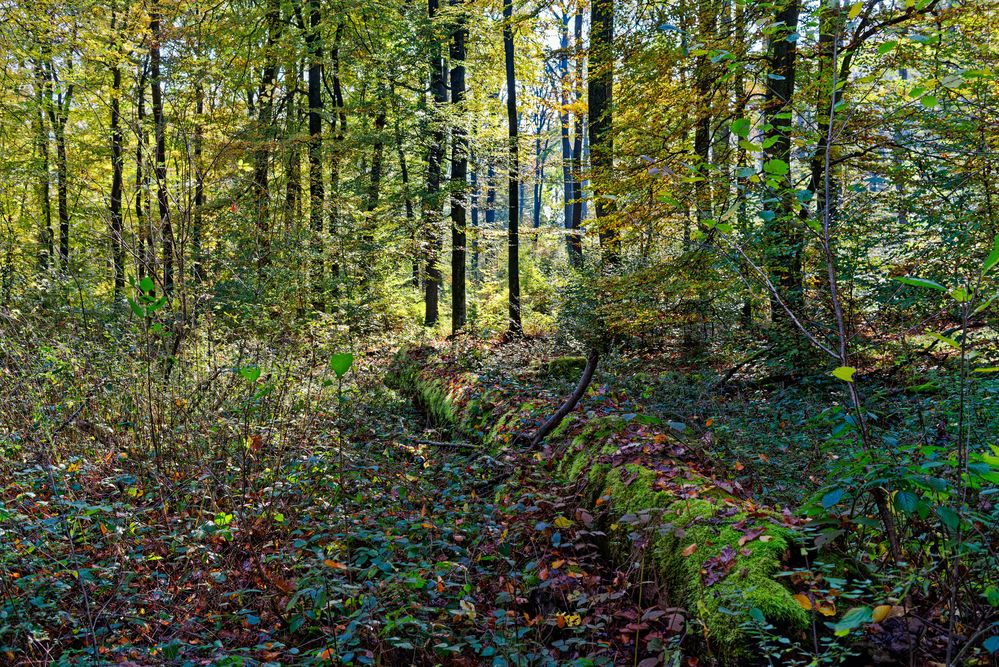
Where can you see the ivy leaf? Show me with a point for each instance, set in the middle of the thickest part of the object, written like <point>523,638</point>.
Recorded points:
<point>341,363</point>
<point>844,373</point>
<point>993,257</point>
<point>949,517</point>
<point>852,620</point>
<point>921,282</point>
<point>832,498</point>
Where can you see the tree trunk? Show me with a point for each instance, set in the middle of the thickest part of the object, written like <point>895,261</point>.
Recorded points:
<point>197,250</point>
<point>459,177</point>
<point>117,165</point>
<point>783,237</point>
<point>162,201</point>
<point>600,86</point>
<point>142,216</point>
<point>43,187</point>
<point>262,154</point>
<point>316,193</point>
<point>338,127</point>
<point>513,225</point>
<point>577,140</point>
<point>435,159</point>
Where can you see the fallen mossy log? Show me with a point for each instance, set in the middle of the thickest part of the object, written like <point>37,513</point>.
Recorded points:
<point>712,550</point>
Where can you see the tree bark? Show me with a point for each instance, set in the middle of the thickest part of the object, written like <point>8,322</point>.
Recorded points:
<point>459,177</point>
<point>513,225</point>
<point>163,204</point>
<point>600,86</point>
<point>783,237</point>
<point>46,238</point>
<point>262,154</point>
<point>117,165</point>
<point>316,193</point>
<point>435,159</point>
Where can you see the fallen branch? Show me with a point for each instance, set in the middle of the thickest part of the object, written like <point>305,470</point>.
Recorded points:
<point>451,445</point>
<point>570,403</point>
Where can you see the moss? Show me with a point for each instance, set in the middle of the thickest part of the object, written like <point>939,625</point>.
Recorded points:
<point>563,367</point>
<point>723,606</point>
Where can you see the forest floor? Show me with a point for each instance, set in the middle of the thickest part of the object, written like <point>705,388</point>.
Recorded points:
<point>373,536</point>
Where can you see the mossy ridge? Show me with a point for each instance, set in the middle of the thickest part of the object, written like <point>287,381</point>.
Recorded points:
<point>720,608</point>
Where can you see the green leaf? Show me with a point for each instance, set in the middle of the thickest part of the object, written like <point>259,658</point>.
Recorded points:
<point>991,644</point>
<point>341,363</point>
<point>251,373</point>
<point>886,47</point>
<point>832,498</point>
<point>906,502</point>
<point>993,257</point>
<point>136,308</point>
<point>989,369</point>
<point>750,146</point>
<point>776,166</point>
<point>146,284</point>
<point>960,295</point>
<point>928,101</point>
<point>949,517</point>
<point>945,339</point>
<point>852,620</point>
<point>844,373</point>
<point>921,282</point>
<point>740,127</point>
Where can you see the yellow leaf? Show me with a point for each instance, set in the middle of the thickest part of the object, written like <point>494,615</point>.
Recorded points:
<point>803,601</point>
<point>856,9</point>
<point>826,607</point>
<point>562,522</point>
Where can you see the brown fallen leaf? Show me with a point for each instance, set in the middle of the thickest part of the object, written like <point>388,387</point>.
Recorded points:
<point>690,549</point>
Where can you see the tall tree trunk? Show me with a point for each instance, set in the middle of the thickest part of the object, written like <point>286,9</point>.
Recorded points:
<point>197,249</point>
<point>407,195</point>
<point>572,246</point>
<point>377,160</point>
<point>58,110</point>
<point>166,230</point>
<point>117,165</point>
<point>459,177</point>
<point>142,217</point>
<point>316,193</point>
<point>577,139</point>
<point>830,24</point>
<point>513,225</point>
<point>474,187</point>
<point>293,158</point>
<point>338,125</point>
<point>600,86</point>
<point>262,154</point>
<point>435,160</point>
<point>43,187</point>
<point>783,236</point>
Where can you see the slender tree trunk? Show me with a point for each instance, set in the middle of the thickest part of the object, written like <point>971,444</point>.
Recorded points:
<point>577,139</point>
<point>435,160</point>
<point>316,193</point>
<point>830,23</point>
<point>145,260</point>
<point>783,237</point>
<point>166,230</point>
<point>474,186</point>
<point>262,154</point>
<point>293,157</point>
<point>513,228</point>
<point>338,126</point>
<point>58,109</point>
<point>43,187</point>
<point>117,165</point>
<point>459,177</point>
<point>197,249</point>
<point>600,86</point>
<point>407,194</point>
<point>573,245</point>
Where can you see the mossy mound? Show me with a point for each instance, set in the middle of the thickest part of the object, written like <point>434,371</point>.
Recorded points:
<point>713,553</point>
